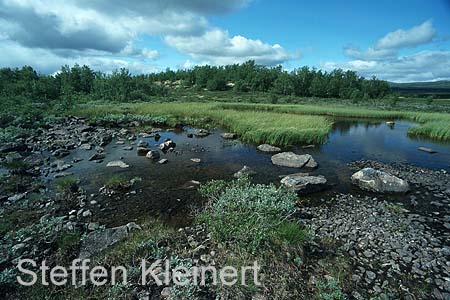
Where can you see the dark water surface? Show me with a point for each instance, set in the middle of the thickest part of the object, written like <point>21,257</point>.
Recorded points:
<point>163,187</point>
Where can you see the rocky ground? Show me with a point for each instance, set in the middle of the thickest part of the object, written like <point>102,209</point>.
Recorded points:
<point>397,246</point>
<point>396,252</point>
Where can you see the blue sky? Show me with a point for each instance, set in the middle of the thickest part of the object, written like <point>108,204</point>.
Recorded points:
<point>394,40</point>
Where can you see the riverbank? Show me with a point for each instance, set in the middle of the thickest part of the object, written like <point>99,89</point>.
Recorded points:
<point>259,123</point>
<point>61,200</point>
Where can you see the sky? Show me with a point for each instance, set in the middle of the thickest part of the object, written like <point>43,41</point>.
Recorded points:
<point>400,41</point>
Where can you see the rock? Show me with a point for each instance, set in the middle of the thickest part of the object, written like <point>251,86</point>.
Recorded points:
<point>165,293</point>
<point>229,136</point>
<point>93,226</point>
<point>86,214</point>
<point>85,128</point>
<point>202,133</point>
<point>153,154</point>
<point>142,144</point>
<point>245,171</point>
<point>117,163</point>
<point>97,156</point>
<point>304,184</point>
<point>196,160</point>
<point>428,150</point>
<point>311,163</point>
<point>62,174</point>
<point>192,184</point>
<point>268,148</point>
<point>167,145</point>
<point>390,123</point>
<point>60,152</point>
<point>128,148</point>
<point>141,151</point>
<point>105,140</point>
<point>290,159</point>
<point>190,135</point>
<point>85,147</point>
<point>97,241</point>
<point>16,197</point>
<point>163,161</point>
<point>378,181</point>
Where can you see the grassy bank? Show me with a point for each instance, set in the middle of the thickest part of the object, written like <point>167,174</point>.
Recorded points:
<point>433,125</point>
<point>253,126</point>
<point>259,123</point>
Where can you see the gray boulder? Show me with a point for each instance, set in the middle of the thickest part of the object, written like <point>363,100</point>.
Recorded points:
<point>153,154</point>
<point>290,159</point>
<point>302,183</point>
<point>378,181</point>
<point>229,136</point>
<point>245,171</point>
<point>141,151</point>
<point>97,241</point>
<point>268,148</point>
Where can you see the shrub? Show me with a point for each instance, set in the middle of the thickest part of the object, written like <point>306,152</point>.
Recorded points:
<point>67,184</point>
<point>245,213</point>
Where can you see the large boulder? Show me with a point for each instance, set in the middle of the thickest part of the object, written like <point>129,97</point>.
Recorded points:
<point>303,183</point>
<point>117,163</point>
<point>378,181</point>
<point>167,145</point>
<point>268,148</point>
<point>290,159</point>
<point>97,241</point>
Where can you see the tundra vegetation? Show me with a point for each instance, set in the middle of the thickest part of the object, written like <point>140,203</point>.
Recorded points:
<point>235,222</point>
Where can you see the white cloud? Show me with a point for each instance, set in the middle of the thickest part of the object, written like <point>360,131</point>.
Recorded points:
<point>217,47</point>
<point>77,29</point>
<point>413,37</point>
<point>384,61</point>
<point>422,66</point>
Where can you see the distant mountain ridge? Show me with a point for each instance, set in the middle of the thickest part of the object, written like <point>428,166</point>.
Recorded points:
<point>441,84</point>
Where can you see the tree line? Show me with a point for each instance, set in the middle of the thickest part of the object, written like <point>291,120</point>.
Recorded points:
<point>23,85</point>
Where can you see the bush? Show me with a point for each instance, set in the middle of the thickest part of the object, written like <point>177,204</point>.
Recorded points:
<point>247,214</point>
<point>67,184</point>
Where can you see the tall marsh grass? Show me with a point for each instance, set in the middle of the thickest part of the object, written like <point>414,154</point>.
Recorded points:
<point>253,126</point>
<point>271,123</point>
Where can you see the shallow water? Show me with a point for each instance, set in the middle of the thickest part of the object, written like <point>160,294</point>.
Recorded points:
<point>163,188</point>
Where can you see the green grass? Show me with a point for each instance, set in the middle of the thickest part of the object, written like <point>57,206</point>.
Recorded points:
<point>269,123</point>
<point>432,125</point>
<point>254,127</point>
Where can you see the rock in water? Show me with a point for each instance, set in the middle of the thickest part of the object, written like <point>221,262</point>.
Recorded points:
<point>153,154</point>
<point>117,163</point>
<point>268,148</point>
<point>167,145</point>
<point>245,171</point>
<point>428,150</point>
<point>141,151</point>
<point>378,181</point>
<point>229,136</point>
<point>290,159</point>
<point>97,241</point>
<point>97,156</point>
<point>202,133</point>
<point>304,184</point>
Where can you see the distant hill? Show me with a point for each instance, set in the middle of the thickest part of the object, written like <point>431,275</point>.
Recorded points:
<point>441,84</point>
<point>439,89</point>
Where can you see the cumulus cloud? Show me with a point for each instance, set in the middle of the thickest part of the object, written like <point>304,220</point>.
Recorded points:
<point>217,47</point>
<point>108,29</point>
<point>412,37</point>
<point>384,61</point>
<point>421,66</point>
